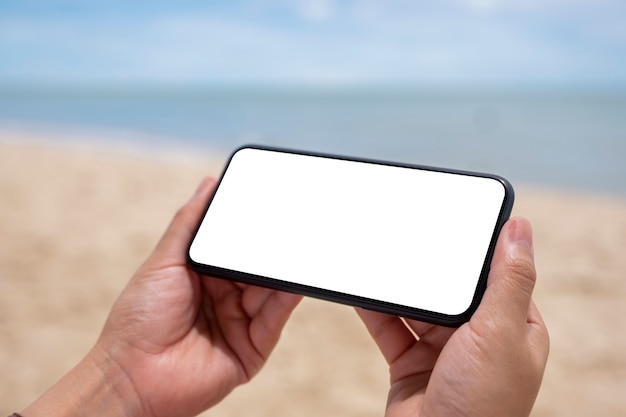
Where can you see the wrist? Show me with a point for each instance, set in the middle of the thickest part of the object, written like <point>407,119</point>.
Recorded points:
<point>96,386</point>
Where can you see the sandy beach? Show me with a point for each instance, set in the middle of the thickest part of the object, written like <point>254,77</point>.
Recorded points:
<point>75,222</point>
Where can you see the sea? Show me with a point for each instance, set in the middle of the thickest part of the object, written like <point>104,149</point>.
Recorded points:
<point>565,138</point>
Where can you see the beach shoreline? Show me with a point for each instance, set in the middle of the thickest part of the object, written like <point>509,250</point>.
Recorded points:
<point>77,219</point>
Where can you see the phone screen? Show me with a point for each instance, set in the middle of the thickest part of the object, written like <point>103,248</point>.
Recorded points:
<point>406,240</point>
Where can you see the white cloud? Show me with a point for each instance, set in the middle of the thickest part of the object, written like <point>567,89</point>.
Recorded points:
<point>316,9</point>
<point>365,41</point>
<point>308,10</point>
<point>535,5</point>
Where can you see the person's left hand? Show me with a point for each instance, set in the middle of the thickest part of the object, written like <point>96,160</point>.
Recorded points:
<point>176,342</point>
<point>179,335</point>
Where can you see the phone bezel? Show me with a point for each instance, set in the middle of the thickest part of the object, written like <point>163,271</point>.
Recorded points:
<point>354,300</point>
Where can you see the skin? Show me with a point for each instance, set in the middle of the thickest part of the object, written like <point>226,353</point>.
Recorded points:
<point>490,366</point>
<point>176,342</point>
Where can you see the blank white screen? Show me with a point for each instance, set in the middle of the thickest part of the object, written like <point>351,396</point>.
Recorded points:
<point>407,236</point>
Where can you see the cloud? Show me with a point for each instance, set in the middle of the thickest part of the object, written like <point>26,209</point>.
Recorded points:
<point>281,41</point>
<point>316,9</point>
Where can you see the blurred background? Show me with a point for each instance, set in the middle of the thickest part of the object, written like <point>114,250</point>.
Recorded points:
<point>111,112</point>
<point>532,90</point>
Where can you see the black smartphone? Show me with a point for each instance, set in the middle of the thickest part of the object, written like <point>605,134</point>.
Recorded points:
<point>407,240</point>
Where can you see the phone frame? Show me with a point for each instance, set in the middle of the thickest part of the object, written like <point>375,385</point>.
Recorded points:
<point>354,300</point>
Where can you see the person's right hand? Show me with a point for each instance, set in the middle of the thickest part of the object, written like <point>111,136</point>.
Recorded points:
<point>491,366</point>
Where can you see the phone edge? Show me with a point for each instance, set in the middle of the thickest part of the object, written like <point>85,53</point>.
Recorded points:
<point>352,300</point>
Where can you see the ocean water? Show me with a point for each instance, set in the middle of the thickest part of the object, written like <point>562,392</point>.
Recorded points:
<point>567,139</point>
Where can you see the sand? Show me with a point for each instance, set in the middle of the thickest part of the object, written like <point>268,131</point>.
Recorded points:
<point>75,222</point>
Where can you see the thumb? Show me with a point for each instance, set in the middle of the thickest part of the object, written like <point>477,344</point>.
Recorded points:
<point>512,276</point>
<point>172,246</point>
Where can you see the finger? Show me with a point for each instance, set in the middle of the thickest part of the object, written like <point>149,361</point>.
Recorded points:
<point>254,298</point>
<point>538,331</point>
<point>512,276</point>
<point>267,324</point>
<point>173,244</point>
<point>534,316</point>
<point>430,334</point>
<point>390,333</point>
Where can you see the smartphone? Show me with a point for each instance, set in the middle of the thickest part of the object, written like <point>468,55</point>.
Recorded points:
<point>407,240</point>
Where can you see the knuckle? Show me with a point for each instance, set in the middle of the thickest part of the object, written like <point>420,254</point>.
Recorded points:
<point>521,272</point>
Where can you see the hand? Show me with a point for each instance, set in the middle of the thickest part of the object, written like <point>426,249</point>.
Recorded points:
<point>490,366</point>
<point>175,343</point>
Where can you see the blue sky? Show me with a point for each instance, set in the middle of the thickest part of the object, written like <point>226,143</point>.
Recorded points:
<point>322,42</point>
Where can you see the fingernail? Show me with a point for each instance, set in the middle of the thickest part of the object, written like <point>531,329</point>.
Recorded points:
<point>521,233</point>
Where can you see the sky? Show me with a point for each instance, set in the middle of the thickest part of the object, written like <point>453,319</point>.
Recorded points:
<point>314,42</point>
